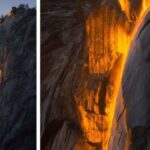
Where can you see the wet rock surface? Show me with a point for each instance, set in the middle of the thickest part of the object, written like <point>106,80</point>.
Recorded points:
<point>18,81</point>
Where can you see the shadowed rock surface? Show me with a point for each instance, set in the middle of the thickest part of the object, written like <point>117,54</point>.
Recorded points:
<point>18,80</point>
<point>83,43</point>
<point>136,88</point>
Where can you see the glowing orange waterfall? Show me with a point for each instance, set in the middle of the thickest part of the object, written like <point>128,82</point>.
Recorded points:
<point>108,44</point>
<point>108,40</point>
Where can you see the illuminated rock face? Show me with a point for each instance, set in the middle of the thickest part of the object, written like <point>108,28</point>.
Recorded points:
<point>18,81</point>
<point>83,55</point>
<point>131,121</point>
<point>105,51</point>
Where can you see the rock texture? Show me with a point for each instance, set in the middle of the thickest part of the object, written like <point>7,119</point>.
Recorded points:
<point>18,80</point>
<point>132,121</point>
<point>136,88</point>
<point>83,49</point>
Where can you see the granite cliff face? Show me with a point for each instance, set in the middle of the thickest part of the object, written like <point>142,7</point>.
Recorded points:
<point>131,121</point>
<point>18,80</point>
<point>84,46</point>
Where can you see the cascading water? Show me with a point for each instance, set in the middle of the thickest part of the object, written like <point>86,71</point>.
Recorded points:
<point>109,33</point>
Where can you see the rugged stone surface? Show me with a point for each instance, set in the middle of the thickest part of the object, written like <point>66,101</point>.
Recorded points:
<point>132,120</point>
<point>136,78</point>
<point>83,48</point>
<point>18,81</point>
<point>136,88</point>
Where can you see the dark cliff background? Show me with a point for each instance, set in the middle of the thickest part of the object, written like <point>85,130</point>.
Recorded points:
<point>18,79</point>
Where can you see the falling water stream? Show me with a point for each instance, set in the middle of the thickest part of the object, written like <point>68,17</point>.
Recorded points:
<point>109,34</point>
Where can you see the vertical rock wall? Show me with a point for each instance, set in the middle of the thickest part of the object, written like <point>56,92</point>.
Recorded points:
<point>18,81</point>
<point>135,89</point>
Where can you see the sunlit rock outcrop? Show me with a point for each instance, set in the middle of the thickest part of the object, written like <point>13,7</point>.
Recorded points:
<point>18,80</point>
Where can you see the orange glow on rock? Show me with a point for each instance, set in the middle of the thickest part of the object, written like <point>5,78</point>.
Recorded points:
<point>108,42</point>
<point>125,6</point>
<point>10,14</point>
<point>146,5</point>
<point>107,45</point>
